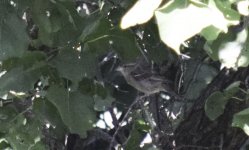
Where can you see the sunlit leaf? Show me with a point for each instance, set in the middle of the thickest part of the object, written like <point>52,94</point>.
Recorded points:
<point>230,52</point>
<point>140,13</point>
<point>231,49</point>
<point>179,21</point>
<point>241,120</point>
<point>242,7</point>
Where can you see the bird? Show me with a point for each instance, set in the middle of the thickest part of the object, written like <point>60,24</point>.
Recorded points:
<point>143,78</point>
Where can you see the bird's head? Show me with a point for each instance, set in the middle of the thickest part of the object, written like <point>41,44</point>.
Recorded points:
<point>125,69</point>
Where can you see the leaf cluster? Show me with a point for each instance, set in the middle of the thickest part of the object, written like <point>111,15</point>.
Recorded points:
<point>59,79</point>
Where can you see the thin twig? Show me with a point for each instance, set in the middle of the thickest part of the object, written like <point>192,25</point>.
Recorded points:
<point>124,118</point>
<point>114,118</point>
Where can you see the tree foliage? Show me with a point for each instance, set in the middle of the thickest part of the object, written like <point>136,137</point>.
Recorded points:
<point>61,88</point>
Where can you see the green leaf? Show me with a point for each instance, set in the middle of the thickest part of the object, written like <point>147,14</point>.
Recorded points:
<point>58,22</point>
<point>137,135</point>
<point>27,61</point>
<point>4,145</point>
<point>20,132</point>
<point>69,64</point>
<point>134,140</point>
<point>215,105</point>
<point>22,6</point>
<point>226,8</point>
<point>179,21</point>
<point>241,120</point>
<point>156,50</point>
<point>95,25</point>
<point>232,89</point>
<point>75,109</point>
<point>141,125</point>
<point>87,87</point>
<point>102,99</point>
<point>122,42</point>
<point>89,61</point>
<point>19,139</point>
<point>46,112</point>
<point>90,87</point>
<point>197,76</point>
<point>98,44</point>
<point>20,79</point>
<point>99,37</point>
<point>210,33</point>
<point>102,104</point>
<point>6,115</point>
<point>216,102</point>
<point>13,36</point>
